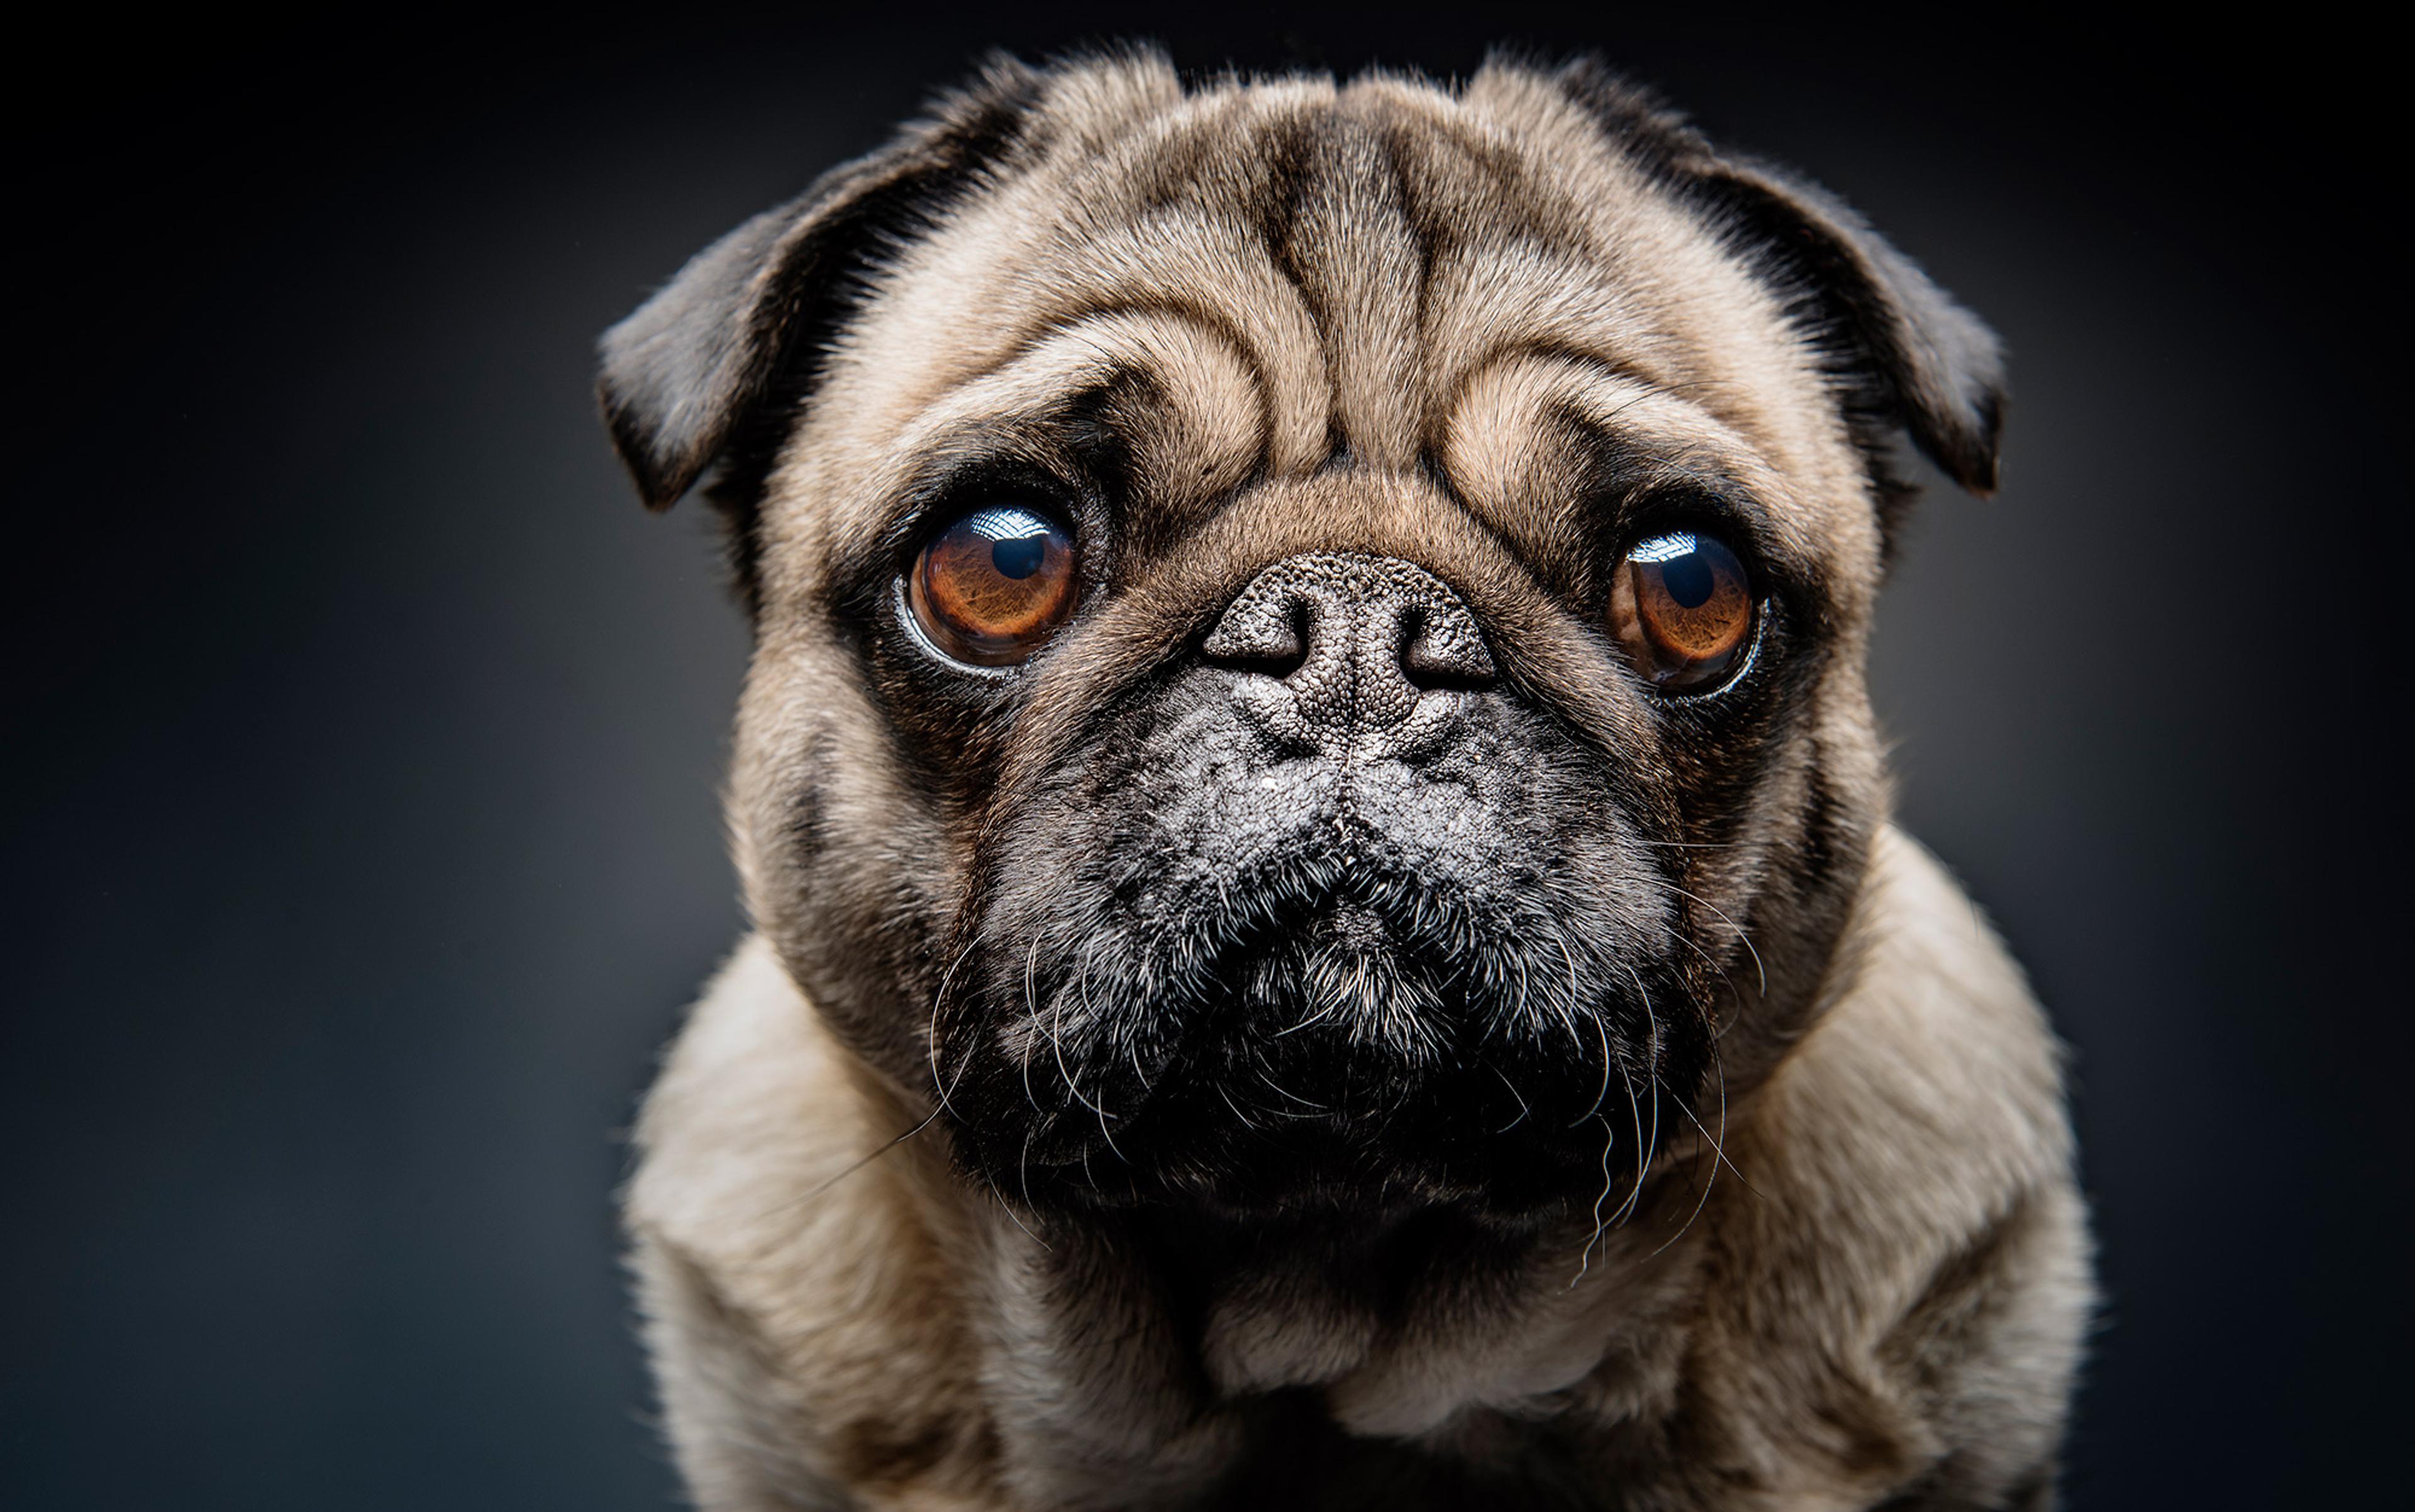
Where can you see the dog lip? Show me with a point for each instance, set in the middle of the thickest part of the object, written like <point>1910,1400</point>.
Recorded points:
<point>1352,895</point>
<point>1353,924</point>
<point>1352,969</point>
<point>1335,1027</point>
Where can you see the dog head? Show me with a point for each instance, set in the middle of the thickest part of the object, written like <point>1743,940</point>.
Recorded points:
<point>1309,638</point>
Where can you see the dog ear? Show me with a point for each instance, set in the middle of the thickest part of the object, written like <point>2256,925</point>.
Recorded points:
<point>1913,353</point>
<point>684,374</point>
<point>1902,352</point>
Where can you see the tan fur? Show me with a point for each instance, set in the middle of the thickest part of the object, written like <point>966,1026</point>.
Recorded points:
<point>1884,1286</point>
<point>809,1322</point>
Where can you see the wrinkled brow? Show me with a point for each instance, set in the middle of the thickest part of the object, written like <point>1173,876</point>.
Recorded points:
<point>1200,428</point>
<point>1540,444</point>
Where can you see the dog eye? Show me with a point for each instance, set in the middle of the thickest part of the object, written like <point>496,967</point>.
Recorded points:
<point>992,587</point>
<point>1682,608</point>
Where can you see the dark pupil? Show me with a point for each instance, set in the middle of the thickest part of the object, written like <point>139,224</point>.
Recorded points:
<point>1688,579</point>
<point>1019,559</point>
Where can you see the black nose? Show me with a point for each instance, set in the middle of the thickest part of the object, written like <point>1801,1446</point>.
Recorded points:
<point>1355,644</point>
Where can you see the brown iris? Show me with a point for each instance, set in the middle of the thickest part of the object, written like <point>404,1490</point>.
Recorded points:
<point>1682,608</point>
<point>992,587</point>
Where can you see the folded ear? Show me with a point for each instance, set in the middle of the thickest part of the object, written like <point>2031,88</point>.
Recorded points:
<point>1931,365</point>
<point>681,375</point>
<point>1901,351</point>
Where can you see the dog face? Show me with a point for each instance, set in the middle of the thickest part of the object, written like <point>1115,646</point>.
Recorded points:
<point>1309,640</point>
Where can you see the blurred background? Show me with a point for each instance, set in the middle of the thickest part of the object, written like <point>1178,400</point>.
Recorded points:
<point>361,837</point>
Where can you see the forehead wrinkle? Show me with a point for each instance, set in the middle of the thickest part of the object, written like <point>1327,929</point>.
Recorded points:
<point>855,505</point>
<point>1280,184</point>
<point>1637,277</point>
<point>1719,336</point>
<point>1685,320</point>
<point>1215,274</point>
<point>1526,221</point>
<point>1206,431</point>
<point>1192,364</point>
<point>1349,242</point>
<point>1498,447</point>
<point>983,292</point>
<point>1493,302</point>
<point>942,314</point>
<point>1511,259</point>
<point>981,288</point>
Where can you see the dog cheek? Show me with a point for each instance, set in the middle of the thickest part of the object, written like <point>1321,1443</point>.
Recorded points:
<point>846,872</point>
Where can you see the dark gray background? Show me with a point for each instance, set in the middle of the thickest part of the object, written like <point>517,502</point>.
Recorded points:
<point>363,733</point>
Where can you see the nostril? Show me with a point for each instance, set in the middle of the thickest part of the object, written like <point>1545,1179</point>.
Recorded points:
<point>1358,637</point>
<point>1443,652</point>
<point>1299,632</point>
<point>1268,637</point>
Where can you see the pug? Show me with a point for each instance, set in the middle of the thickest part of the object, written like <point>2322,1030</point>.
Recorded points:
<point>1325,926</point>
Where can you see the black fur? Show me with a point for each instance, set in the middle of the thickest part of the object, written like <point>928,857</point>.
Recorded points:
<point>1157,995</point>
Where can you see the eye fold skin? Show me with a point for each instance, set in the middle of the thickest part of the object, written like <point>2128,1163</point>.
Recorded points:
<point>1683,609</point>
<point>990,589</point>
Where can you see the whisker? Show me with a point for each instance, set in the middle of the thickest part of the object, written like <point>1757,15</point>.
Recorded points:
<point>1239,1116</point>
<point>1031,1011</point>
<point>938,1000</point>
<point>1603,1029</point>
<point>1568,1009</point>
<point>1651,1059</point>
<point>779,1209</point>
<point>1332,1006</point>
<point>1636,1116</point>
<point>1740,934</point>
<point>1584,1259</point>
<point>1647,1144</point>
<point>1522,1109</point>
<point>1004,1208</point>
<point>1056,1043</point>
<point>1285,1092</point>
<point>1681,938</point>
<point>1715,1146</point>
<point>1718,1029</point>
<point>1700,1201</point>
<point>1268,1077</point>
<point>1089,1014</point>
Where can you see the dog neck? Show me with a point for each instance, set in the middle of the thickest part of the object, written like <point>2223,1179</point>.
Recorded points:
<point>1163,1346</point>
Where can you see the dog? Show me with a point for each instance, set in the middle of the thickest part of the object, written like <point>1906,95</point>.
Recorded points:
<point>1325,926</point>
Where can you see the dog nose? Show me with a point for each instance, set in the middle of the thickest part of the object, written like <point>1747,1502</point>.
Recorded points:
<point>1354,640</point>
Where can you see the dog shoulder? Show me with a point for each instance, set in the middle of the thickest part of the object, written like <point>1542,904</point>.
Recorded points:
<point>1914,1238</point>
<point>798,1293</point>
<point>1934,1050</point>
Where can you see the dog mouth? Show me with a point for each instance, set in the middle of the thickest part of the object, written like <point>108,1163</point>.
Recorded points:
<point>1340,1031</point>
<point>1364,993</point>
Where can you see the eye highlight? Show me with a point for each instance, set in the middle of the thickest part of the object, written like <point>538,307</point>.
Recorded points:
<point>1682,608</point>
<point>990,589</point>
